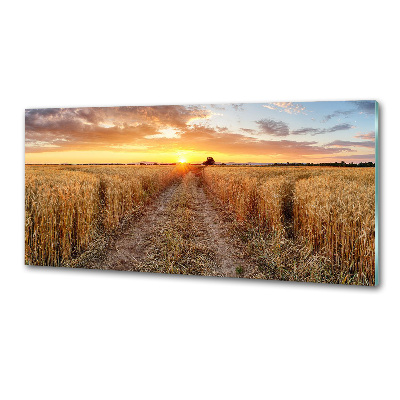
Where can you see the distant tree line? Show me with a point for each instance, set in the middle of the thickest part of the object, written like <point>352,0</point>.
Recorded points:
<point>335,164</point>
<point>211,161</point>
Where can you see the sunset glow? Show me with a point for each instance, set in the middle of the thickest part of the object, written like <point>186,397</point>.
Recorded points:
<point>261,133</point>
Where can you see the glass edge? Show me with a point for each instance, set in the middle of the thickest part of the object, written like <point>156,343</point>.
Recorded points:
<point>376,193</point>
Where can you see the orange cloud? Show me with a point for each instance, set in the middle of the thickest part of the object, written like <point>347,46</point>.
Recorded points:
<point>131,134</point>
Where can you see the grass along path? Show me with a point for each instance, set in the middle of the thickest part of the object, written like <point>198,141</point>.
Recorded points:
<point>181,245</point>
<point>129,248</point>
<point>194,240</point>
<point>181,233</point>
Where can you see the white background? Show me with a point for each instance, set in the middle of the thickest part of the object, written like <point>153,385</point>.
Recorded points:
<point>77,334</point>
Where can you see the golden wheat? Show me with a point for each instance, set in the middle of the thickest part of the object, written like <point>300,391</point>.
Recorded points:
<point>332,210</point>
<point>329,210</point>
<point>335,213</point>
<point>66,207</point>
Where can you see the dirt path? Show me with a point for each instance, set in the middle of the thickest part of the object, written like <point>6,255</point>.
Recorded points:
<point>130,247</point>
<point>180,232</point>
<point>219,239</point>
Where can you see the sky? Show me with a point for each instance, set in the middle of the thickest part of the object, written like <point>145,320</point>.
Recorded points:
<point>250,132</point>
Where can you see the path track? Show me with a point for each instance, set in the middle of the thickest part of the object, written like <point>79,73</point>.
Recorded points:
<point>129,248</point>
<point>136,246</point>
<point>219,239</point>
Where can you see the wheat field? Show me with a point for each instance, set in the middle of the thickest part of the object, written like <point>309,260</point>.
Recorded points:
<point>67,207</point>
<point>330,210</point>
<point>328,213</point>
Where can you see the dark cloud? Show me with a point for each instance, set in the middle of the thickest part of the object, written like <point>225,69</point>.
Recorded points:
<point>340,127</point>
<point>365,106</point>
<point>271,127</point>
<point>45,112</point>
<point>345,143</point>
<point>304,131</point>
<point>362,107</point>
<point>337,114</point>
<point>319,131</point>
<point>175,116</point>
<point>237,106</point>
<point>248,130</point>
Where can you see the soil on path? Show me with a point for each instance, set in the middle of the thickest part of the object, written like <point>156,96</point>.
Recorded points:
<point>129,248</point>
<point>226,248</point>
<point>139,244</point>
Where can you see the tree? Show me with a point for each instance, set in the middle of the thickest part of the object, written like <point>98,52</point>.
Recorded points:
<point>210,161</point>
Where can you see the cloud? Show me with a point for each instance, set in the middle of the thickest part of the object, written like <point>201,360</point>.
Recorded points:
<point>366,136</point>
<point>176,116</point>
<point>280,128</point>
<point>237,106</point>
<point>337,114</point>
<point>365,106</point>
<point>320,131</point>
<point>362,107</point>
<point>271,127</point>
<point>304,131</point>
<point>100,127</point>
<point>90,138</point>
<point>344,143</point>
<point>339,127</point>
<point>218,106</point>
<point>248,130</point>
<point>288,107</point>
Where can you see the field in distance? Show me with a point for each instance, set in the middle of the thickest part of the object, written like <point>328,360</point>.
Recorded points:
<point>314,224</point>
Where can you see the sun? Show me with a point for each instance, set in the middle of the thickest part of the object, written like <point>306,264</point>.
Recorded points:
<point>182,160</point>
